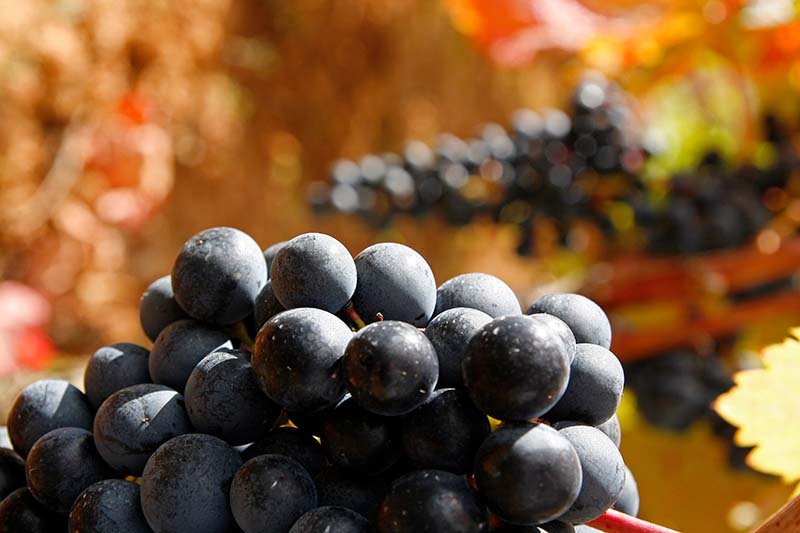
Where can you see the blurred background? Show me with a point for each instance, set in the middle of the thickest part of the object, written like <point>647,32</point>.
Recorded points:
<point>656,173</point>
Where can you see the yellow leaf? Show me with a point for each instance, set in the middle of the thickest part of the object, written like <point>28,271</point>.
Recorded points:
<point>765,407</point>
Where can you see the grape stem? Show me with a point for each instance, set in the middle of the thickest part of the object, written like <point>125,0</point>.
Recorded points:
<point>353,315</point>
<point>616,522</point>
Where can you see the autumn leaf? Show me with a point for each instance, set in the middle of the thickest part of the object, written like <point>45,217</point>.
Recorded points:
<point>765,407</point>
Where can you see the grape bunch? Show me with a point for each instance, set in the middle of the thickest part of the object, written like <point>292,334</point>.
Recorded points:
<point>567,172</point>
<point>370,399</point>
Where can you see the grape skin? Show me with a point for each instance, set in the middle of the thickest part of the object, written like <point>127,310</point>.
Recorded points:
<point>223,399</point>
<point>109,506</point>
<point>595,387</point>
<point>445,432</point>
<point>43,406</point>
<point>477,291</point>
<point>516,368</point>
<point>291,442</point>
<point>158,308</point>
<point>528,473</point>
<point>115,367</point>
<point>270,492</point>
<point>314,270</point>
<point>61,465</point>
<point>185,485</point>
<point>390,368</point>
<point>585,318</point>
<point>132,423</point>
<point>397,282</point>
<point>296,358</point>
<point>179,348</point>
<point>450,333</point>
<point>21,512</point>
<point>603,473</point>
<point>217,275</point>
<point>12,472</point>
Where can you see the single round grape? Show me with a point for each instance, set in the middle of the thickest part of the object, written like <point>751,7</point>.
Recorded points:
<point>356,439</point>
<point>266,307</point>
<point>291,442</point>
<point>479,291</point>
<point>397,282</point>
<point>109,506</point>
<point>186,482</point>
<point>343,488</point>
<point>217,275</point>
<point>603,473</point>
<point>44,406</point>
<point>115,367</point>
<point>296,358</point>
<point>223,399</point>
<point>270,492</point>
<point>61,464</point>
<point>527,473</point>
<point>158,308</point>
<point>562,329</point>
<point>179,348</point>
<point>390,368</point>
<point>20,512</point>
<point>270,253</point>
<point>132,423</point>
<point>331,519</point>
<point>445,432</point>
<point>431,501</point>
<point>584,317</point>
<point>628,500</point>
<point>450,333</point>
<point>12,472</point>
<point>515,368</point>
<point>596,380</point>
<point>313,270</point>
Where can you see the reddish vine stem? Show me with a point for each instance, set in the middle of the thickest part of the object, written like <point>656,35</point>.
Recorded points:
<point>615,522</point>
<point>353,315</point>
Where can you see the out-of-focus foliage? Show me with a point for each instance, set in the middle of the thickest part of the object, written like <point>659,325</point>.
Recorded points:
<point>765,407</point>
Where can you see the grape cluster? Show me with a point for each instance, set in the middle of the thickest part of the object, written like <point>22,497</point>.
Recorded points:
<point>567,171</point>
<point>343,415</point>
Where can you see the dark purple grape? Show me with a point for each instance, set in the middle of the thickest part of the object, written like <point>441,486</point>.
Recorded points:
<point>584,317</point>
<point>396,282</point>
<point>450,333</point>
<point>179,348</point>
<point>186,482</point>
<point>61,465</point>
<point>477,291</point>
<point>223,399</point>
<point>266,307</point>
<point>44,406</point>
<point>344,488</point>
<point>356,439</point>
<point>132,423</point>
<point>603,473</point>
<point>158,308</point>
<point>390,368</point>
<point>109,506</point>
<point>115,367</point>
<point>217,275</point>
<point>516,368</point>
<point>628,500</point>
<point>270,492</point>
<point>296,358</point>
<point>528,473</point>
<point>445,432</point>
<point>431,501</point>
<point>270,253</point>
